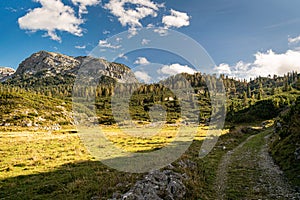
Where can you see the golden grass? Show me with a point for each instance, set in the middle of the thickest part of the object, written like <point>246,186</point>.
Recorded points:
<point>57,165</point>
<point>23,153</point>
<point>141,139</point>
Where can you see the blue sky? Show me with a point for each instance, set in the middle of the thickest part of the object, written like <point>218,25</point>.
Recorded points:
<point>244,38</point>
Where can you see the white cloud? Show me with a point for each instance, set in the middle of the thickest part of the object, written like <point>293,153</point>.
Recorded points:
<point>106,32</point>
<point>119,39</point>
<point>132,16</point>
<point>277,63</point>
<point>176,19</point>
<point>162,31</point>
<point>52,16</point>
<point>122,55</point>
<point>105,44</point>
<point>176,68</point>
<point>145,41</point>
<point>241,69</point>
<point>142,61</point>
<point>52,35</point>
<point>223,68</point>
<point>131,13</point>
<point>83,4</point>
<point>132,32</point>
<point>264,64</point>
<point>294,40</point>
<point>80,47</point>
<point>150,26</point>
<point>142,76</point>
<point>13,10</point>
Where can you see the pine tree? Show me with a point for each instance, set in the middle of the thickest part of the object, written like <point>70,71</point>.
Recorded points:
<point>285,86</point>
<point>248,91</point>
<point>245,99</point>
<point>259,95</point>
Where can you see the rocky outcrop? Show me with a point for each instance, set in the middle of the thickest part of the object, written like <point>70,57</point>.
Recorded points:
<point>53,63</point>
<point>5,72</point>
<point>92,67</point>
<point>156,185</point>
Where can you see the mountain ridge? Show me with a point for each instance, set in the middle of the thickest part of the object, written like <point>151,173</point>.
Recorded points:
<point>49,65</point>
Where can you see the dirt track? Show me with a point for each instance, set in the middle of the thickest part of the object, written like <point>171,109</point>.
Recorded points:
<point>248,172</point>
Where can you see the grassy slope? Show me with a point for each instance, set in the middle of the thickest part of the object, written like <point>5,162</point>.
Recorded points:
<point>265,109</point>
<point>48,166</point>
<point>20,108</point>
<point>286,141</point>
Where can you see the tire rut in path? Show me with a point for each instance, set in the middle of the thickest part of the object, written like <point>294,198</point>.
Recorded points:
<point>222,174</point>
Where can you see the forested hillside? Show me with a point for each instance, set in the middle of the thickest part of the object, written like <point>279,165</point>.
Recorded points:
<point>51,76</point>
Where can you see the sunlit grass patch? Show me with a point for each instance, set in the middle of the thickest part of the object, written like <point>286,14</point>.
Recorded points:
<point>139,139</point>
<point>24,153</point>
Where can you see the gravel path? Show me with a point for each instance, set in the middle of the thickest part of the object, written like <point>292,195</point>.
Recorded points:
<point>222,174</point>
<point>273,179</point>
<point>255,173</point>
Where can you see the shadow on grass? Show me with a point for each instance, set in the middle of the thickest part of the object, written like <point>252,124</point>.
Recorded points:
<point>81,180</point>
<point>78,180</point>
<point>86,179</point>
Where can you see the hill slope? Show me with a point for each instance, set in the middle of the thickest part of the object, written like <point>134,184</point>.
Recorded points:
<point>285,145</point>
<point>20,108</point>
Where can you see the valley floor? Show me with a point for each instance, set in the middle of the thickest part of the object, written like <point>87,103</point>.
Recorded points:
<point>47,166</point>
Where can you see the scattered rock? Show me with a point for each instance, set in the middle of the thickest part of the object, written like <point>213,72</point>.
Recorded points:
<point>170,166</point>
<point>297,153</point>
<point>95,198</point>
<point>278,127</point>
<point>187,164</point>
<point>156,185</point>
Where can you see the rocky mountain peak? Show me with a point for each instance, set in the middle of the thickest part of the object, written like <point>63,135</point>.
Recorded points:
<point>101,67</point>
<point>53,63</point>
<point>6,71</point>
<point>63,69</point>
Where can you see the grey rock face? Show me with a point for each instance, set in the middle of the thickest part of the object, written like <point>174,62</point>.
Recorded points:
<point>48,64</point>
<point>53,63</point>
<point>95,67</point>
<point>6,71</point>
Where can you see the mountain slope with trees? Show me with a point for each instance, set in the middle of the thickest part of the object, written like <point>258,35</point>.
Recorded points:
<point>53,75</point>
